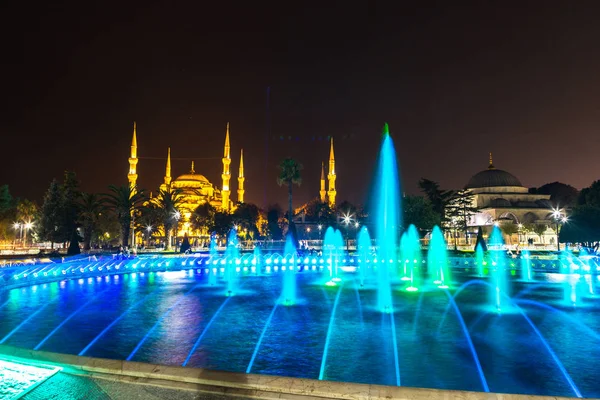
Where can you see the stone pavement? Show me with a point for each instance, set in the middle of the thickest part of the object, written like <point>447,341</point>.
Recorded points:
<point>64,386</point>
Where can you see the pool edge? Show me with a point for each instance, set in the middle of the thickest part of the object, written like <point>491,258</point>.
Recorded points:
<point>238,384</point>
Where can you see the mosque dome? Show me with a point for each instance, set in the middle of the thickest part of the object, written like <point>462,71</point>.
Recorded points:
<point>191,178</point>
<point>492,177</point>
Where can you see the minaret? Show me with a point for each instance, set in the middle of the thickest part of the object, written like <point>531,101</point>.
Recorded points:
<point>168,170</point>
<point>322,192</point>
<point>241,179</point>
<point>133,160</point>
<point>331,177</point>
<point>226,174</point>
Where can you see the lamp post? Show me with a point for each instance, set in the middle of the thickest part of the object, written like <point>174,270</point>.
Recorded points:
<point>16,226</point>
<point>28,226</point>
<point>149,230</point>
<point>347,219</point>
<point>559,217</point>
<point>176,216</point>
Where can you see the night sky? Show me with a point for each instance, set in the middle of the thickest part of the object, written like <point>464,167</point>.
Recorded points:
<point>520,79</point>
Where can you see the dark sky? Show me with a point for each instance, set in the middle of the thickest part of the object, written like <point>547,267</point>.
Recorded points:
<point>520,79</point>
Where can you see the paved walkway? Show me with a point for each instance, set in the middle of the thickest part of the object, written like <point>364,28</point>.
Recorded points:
<point>64,386</point>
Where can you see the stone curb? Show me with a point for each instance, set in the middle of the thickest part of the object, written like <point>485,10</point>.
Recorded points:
<point>260,386</point>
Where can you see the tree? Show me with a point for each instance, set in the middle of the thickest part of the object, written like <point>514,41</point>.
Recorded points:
<point>540,229</point>
<point>203,217</point>
<point>27,212</point>
<point>6,200</point>
<point>70,205</point>
<point>51,227</point>
<point>108,229</point>
<point>438,198</point>
<point>419,212</point>
<point>590,196</point>
<point>90,209</point>
<point>167,205</point>
<point>274,213</point>
<point>561,195</point>
<point>223,223</point>
<point>7,214</point>
<point>123,201</point>
<point>289,174</point>
<point>246,217</point>
<point>459,211</point>
<point>185,244</point>
<point>74,244</point>
<point>583,227</point>
<point>480,240</point>
<point>320,213</point>
<point>509,229</point>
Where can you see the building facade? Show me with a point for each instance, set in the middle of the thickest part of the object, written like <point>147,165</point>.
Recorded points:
<point>196,188</point>
<point>501,199</point>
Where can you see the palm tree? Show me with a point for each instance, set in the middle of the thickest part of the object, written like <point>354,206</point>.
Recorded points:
<point>167,206</point>
<point>289,174</point>
<point>124,201</point>
<point>90,209</point>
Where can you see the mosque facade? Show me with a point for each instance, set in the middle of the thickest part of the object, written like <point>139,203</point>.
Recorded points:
<point>500,198</point>
<point>198,190</point>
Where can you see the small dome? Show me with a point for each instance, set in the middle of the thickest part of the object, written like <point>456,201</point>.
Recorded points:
<point>492,177</point>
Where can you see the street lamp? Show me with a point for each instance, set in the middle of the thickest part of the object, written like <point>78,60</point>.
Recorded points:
<point>28,226</point>
<point>177,216</point>
<point>347,219</point>
<point>149,230</point>
<point>559,217</point>
<point>16,226</point>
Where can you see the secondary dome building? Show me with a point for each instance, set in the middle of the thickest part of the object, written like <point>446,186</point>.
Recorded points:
<point>501,198</point>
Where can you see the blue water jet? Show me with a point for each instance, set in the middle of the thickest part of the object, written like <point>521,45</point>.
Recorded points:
<point>288,292</point>
<point>498,268</point>
<point>212,251</point>
<point>437,259</point>
<point>410,251</point>
<point>469,342</point>
<point>387,217</point>
<point>526,266</point>
<point>479,260</point>
<point>364,253</point>
<point>232,258</point>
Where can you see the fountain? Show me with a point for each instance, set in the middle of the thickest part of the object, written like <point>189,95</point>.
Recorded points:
<point>333,252</point>
<point>158,309</point>
<point>256,258</point>
<point>498,268</point>
<point>479,260</point>
<point>437,259</point>
<point>288,293</point>
<point>212,252</point>
<point>387,218</point>
<point>410,251</point>
<point>526,266</point>
<point>232,259</point>
<point>364,253</point>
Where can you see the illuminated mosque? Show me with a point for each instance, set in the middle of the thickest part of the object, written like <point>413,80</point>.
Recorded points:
<point>500,198</point>
<point>198,190</point>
